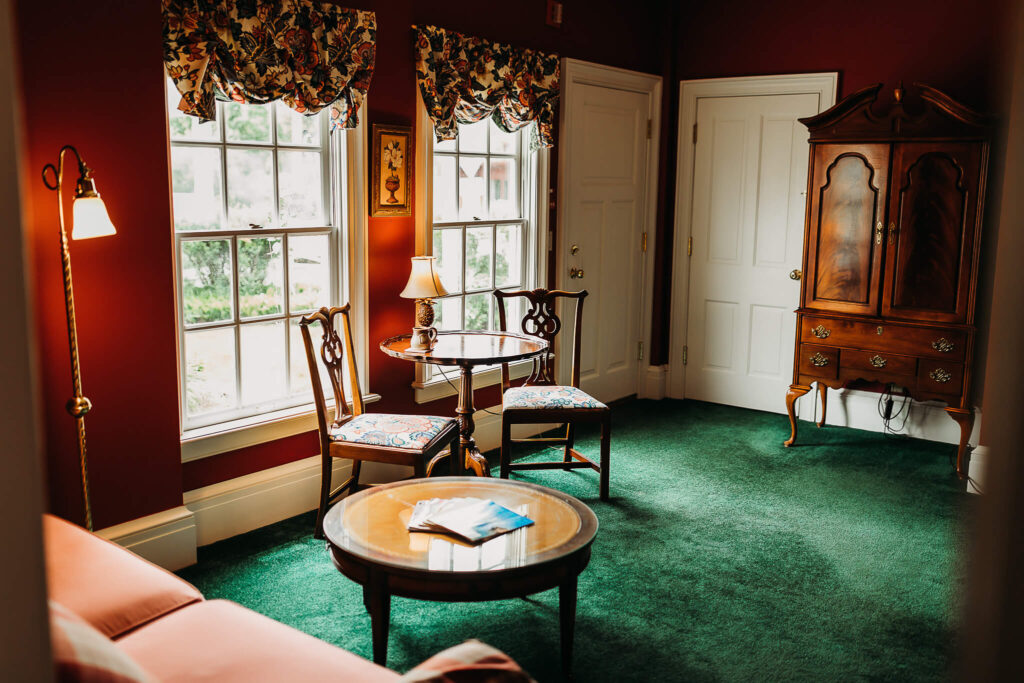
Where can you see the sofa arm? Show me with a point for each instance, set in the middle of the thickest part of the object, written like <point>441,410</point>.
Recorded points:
<point>109,587</point>
<point>466,663</point>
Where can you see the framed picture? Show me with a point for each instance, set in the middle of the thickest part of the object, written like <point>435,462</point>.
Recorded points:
<point>391,171</point>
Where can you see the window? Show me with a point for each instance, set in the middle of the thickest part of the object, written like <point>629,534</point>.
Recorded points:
<point>482,225</point>
<point>256,222</point>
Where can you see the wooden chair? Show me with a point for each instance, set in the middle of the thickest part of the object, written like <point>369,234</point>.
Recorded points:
<point>540,399</point>
<point>411,440</point>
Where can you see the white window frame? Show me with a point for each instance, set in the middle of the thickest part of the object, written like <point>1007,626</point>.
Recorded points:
<point>432,382</point>
<point>345,204</point>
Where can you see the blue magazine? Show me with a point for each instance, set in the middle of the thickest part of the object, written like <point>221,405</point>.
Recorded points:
<point>471,519</point>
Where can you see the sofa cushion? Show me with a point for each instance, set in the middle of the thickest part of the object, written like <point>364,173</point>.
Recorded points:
<point>109,587</point>
<point>469,661</point>
<point>81,653</point>
<point>218,640</point>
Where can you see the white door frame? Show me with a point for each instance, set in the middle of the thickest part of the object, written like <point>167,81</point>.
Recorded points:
<point>576,73</point>
<point>690,92</point>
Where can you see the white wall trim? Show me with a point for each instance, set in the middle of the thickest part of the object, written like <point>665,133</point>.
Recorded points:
<point>977,469</point>
<point>166,538</point>
<point>690,92</point>
<point>654,382</point>
<point>574,74</point>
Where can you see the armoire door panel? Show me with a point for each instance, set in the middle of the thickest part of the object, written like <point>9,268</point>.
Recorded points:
<point>847,208</point>
<point>933,207</point>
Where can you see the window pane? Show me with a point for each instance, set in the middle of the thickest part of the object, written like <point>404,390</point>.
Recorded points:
<point>504,189</point>
<point>513,314</point>
<point>185,127</point>
<point>309,272</point>
<point>260,277</point>
<point>508,256</point>
<point>196,187</point>
<point>448,252</point>
<point>472,188</point>
<point>209,371</point>
<point>263,361</point>
<point>246,122</point>
<point>444,145</point>
<point>443,189</point>
<point>473,136</point>
<point>294,128</point>
<point>206,280</point>
<point>300,183</point>
<point>478,258</point>
<point>478,307</point>
<point>448,313</point>
<point>250,187</point>
<point>502,142</point>
<point>299,366</point>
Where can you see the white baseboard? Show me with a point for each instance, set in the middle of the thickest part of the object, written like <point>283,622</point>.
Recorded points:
<point>977,469</point>
<point>859,409</point>
<point>652,383</point>
<point>166,538</point>
<point>233,507</point>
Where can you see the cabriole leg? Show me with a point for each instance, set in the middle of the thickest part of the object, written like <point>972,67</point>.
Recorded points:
<point>964,418</point>
<point>795,392</point>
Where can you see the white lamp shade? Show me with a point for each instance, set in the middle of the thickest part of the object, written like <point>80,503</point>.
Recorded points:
<point>90,219</point>
<point>424,282</point>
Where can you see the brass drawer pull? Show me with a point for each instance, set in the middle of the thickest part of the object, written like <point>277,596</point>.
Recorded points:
<point>818,360</point>
<point>939,375</point>
<point>892,232</point>
<point>821,332</point>
<point>879,231</point>
<point>877,361</point>
<point>943,345</point>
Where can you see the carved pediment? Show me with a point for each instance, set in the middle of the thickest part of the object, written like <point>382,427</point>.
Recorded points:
<point>931,114</point>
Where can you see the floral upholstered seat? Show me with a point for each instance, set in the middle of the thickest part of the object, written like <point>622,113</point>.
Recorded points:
<point>412,432</point>
<point>549,398</point>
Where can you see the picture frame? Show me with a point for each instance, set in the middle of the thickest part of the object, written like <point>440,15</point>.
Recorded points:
<point>391,171</point>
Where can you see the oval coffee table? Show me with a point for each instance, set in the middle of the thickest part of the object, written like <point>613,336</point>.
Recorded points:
<point>369,543</point>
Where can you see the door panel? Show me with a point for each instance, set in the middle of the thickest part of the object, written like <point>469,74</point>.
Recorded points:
<point>750,172</point>
<point>606,188</point>
<point>847,225</point>
<point>932,212</point>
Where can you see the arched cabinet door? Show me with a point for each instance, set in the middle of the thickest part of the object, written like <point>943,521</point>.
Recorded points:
<point>844,235</point>
<point>933,214</point>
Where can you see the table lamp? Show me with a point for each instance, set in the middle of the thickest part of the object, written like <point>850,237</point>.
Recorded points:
<point>89,219</point>
<point>424,285</point>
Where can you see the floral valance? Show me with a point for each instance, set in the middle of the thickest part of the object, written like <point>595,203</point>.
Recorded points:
<point>465,79</point>
<point>308,54</point>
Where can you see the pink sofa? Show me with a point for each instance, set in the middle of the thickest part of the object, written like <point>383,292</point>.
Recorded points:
<point>166,626</point>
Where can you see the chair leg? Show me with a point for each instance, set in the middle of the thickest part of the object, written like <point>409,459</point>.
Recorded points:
<point>506,448</point>
<point>419,469</point>
<point>570,441</point>
<point>357,466</point>
<point>325,492</point>
<point>606,437</point>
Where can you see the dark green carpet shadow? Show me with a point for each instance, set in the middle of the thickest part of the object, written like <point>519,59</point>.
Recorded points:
<point>722,556</point>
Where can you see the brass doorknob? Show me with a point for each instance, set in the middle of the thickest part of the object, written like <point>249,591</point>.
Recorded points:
<point>576,273</point>
<point>795,274</point>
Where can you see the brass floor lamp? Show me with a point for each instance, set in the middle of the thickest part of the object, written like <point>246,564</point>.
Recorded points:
<point>89,219</point>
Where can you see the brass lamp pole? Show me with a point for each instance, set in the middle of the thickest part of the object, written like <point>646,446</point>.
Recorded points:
<point>89,219</point>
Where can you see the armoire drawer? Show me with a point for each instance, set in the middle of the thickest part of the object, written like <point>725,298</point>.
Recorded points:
<point>948,344</point>
<point>878,362</point>
<point>940,377</point>
<point>819,361</point>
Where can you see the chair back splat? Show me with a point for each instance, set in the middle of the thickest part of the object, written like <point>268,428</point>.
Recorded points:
<point>541,320</point>
<point>338,356</point>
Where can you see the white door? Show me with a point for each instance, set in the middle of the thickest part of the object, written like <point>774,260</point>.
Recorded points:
<point>747,204</point>
<point>604,190</point>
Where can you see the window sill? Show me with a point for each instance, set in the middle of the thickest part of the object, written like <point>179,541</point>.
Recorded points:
<point>225,437</point>
<point>438,388</point>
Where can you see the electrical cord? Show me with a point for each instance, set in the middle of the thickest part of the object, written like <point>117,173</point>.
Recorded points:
<point>452,385</point>
<point>885,405</point>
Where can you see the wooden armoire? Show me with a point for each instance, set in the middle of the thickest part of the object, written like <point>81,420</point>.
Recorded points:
<point>891,247</point>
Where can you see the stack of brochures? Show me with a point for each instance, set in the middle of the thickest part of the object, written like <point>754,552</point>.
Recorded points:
<point>471,519</point>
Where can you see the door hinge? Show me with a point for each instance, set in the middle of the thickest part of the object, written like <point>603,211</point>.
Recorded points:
<point>685,350</point>
<point>695,133</point>
<point>640,350</point>
<point>643,242</point>
<point>689,246</point>
<point>649,129</point>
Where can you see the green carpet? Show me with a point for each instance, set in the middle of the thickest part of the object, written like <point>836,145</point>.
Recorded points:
<point>722,556</point>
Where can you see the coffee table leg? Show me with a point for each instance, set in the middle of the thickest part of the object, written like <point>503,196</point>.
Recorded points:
<point>472,457</point>
<point>378,603</point>
<point>567,621</point>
